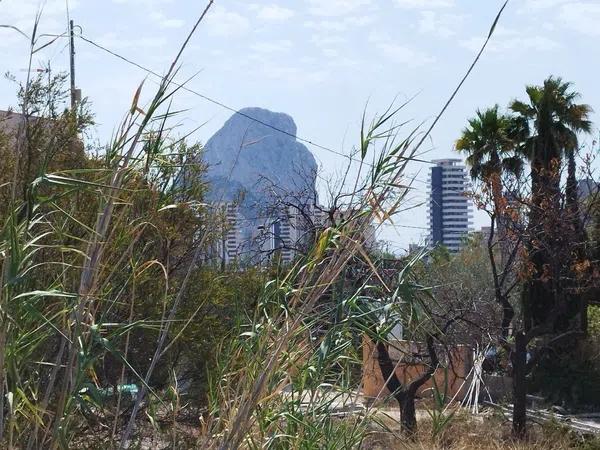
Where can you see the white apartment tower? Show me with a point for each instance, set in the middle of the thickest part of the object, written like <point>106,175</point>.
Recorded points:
<point>450,210</point>
<point>228,227</point>
<point>259,240</point>
<point>255,239</point>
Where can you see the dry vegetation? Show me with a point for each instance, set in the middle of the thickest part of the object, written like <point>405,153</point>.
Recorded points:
<point>487,432</point>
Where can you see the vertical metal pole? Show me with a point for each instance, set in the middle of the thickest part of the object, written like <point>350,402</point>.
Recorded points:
<point>72,64</point>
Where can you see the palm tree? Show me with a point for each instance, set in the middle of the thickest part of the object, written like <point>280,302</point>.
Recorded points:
<point>489,141</point>
<point>550,121</point>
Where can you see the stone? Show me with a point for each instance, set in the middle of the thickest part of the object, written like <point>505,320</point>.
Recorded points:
<point>245,157</point>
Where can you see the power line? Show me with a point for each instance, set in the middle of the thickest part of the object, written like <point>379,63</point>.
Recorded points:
<point>235,111</point>
<point>397,225</point>
<point>231,109</point>
<point>274,218</point>
<point>212,100</point>
<point>221,104</point>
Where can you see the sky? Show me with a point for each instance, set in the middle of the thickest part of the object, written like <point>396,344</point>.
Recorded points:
<point>322,62</point>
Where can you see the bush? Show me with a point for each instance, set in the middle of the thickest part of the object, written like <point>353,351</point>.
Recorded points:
<point>570,376</point>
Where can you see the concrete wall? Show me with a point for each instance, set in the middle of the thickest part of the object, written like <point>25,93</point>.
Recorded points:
<point>455,367</point>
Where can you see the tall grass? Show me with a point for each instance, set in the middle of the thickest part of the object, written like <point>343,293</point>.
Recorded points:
<point>305,336</point>
<point>284,334</point>
<point>75,244</point>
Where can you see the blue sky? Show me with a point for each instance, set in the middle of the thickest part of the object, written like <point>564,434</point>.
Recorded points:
<point>320,61</point>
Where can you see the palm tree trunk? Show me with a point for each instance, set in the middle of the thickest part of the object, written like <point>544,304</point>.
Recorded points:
<point>500,210</point>
<point>571,190</point>
<point>579,299</point>
<point>540,296</point>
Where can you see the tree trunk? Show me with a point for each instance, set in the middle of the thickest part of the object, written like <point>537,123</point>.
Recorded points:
<point>508,311</point>
<point>519,360</point>
<point>571,188</point>
<point>579,298</point>
<point>404,395</point>
<point>540,295</point>
<point>500,204</point>
<point>408,415</point>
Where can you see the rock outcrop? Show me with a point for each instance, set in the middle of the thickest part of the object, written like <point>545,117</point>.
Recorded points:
<point>246,157</point>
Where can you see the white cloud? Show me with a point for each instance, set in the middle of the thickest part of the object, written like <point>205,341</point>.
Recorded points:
<point>341,24</point>
<point>583,17</point>
<point>327,26</point>
<point>344,62</point>
<point>272,46</point>
<point>508,40</point>
<point>398,53</point>
<point>327,40</point>
<point>335,56</point>
<point>359,21</point>
<point>273,12</point>
<point>405,55</point>
<point>308,60</point>
<point>548,26</point>
<point>336,8</point>
<point>295,76</point>
<point>424,4</point>
<point>154,11</point>
<point>442,25</point>
<point>537,5</point>
<point>22,13</point>
<point>144,3</point>
<point>165,22</point>
<point>336,60</point>
<point>221,22</point>
<point>331,53</point>
<point>116,42</point>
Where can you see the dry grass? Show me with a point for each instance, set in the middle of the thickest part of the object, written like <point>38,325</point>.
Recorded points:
<point>486,432</point>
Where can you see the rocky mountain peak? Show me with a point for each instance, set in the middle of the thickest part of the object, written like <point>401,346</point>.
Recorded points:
<point>248,156</point>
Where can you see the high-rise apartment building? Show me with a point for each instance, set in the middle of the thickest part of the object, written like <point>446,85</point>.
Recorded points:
<point>450,210</point>
<point>283,236</point>
<point>256,240</point>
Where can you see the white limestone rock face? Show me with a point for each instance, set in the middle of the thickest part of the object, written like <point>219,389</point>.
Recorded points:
<point>243,153</point>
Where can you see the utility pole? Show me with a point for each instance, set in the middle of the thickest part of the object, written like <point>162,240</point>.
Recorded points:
<point>72,65</point>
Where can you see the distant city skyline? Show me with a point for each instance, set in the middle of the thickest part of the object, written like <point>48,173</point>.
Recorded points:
<point>320,62</point>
